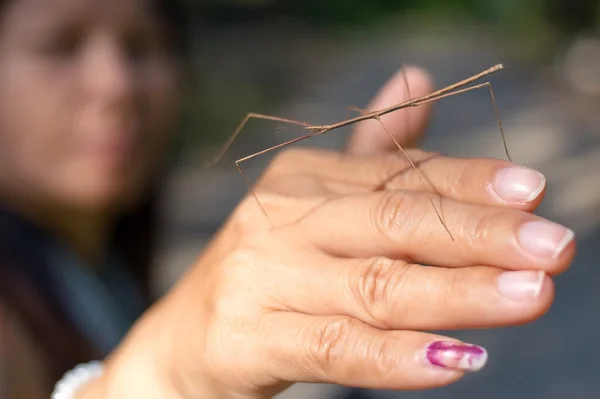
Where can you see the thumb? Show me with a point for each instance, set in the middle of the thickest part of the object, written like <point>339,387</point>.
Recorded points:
<point>407,125</point>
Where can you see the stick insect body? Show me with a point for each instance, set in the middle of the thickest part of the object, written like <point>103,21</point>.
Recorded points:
<point>317,130</point>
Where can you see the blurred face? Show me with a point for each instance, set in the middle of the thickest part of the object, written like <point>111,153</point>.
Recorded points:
<point>87,100</point>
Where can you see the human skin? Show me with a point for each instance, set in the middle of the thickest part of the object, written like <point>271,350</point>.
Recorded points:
<point>334,293</point>
<point>337,291</point>
<point>88,97</point>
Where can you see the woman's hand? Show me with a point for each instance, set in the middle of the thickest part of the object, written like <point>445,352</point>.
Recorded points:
<point>338,291</point>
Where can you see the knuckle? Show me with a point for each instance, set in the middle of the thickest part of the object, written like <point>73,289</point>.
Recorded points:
<point>480,230</point>
<point>379,280</point>
<point>456,286</point>
<point>258,210</point>
<point>463,178</point>
<point>327,344</point>
<point>244,217</point>
<point>236,272</point>
<point>394,213</point>
<point>384,356</point>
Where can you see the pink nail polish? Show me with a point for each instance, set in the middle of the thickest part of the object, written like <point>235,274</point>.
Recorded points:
<point>456,355</point>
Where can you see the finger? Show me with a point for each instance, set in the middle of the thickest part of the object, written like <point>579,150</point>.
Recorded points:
<point>404,225</point>
<point>345,351</point>
<point>407,125</point>
<point>479,181</point>
<point>392,294</point>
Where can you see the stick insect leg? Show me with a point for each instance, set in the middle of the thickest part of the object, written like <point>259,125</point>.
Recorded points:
<point>478,86</point>
<point>421,177</point>
<point>292,141</point>
<point>241,125</point>
<point>237,131</point>
<point>412,164</point>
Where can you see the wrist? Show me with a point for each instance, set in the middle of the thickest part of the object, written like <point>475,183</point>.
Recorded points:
<point>145,365</point>
<point>94,389</point>
<point>128,376</point>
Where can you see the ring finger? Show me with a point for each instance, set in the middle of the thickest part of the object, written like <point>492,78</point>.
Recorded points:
<point>391,294</point>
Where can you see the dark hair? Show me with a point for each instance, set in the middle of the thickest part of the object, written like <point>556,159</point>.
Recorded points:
<point>176,20</point>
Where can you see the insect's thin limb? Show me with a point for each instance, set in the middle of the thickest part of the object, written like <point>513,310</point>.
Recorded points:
<point>419,174</point>
<point>498,119</point>
<point>409,103</point>
<point>252,191</point>
<point>478,86</point>
<point>275,147</point>
<point>239,128</point>
<point>406,85</point>
<point>421,178</point>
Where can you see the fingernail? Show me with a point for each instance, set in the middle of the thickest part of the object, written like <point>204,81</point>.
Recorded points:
<point>521,285</point>
<point>456,355</point>
<point>543,239</point>
<point>518,184</point>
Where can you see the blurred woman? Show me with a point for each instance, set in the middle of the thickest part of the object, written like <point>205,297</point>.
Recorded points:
<point>88,99</point>
<point>89,96</point>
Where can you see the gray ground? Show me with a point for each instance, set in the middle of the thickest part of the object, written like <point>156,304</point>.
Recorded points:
<point>548,127</point>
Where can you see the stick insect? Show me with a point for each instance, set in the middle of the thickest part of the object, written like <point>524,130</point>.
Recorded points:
<point>317,130</point>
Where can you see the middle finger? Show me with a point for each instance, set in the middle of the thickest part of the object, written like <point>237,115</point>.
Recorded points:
<point>404,225</point>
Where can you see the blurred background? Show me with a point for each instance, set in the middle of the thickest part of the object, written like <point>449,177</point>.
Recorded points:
<point>311,59</point>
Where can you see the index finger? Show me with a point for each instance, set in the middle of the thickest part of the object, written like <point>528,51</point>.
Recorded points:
<point>479,181</point>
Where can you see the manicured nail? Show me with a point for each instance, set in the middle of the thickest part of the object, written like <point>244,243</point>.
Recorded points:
<point>518,184</point>
<point>543,239</point>
<point>456,355</point>
<point>521,285</point>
